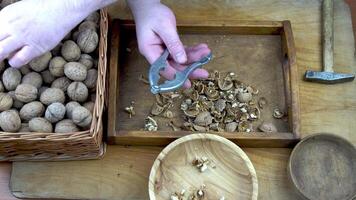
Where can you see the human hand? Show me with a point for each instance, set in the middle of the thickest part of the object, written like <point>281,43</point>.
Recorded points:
<point>30,28</point>
<point>156,30</point>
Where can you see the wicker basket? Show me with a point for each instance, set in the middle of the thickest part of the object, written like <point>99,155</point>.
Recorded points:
<point>70,146</point>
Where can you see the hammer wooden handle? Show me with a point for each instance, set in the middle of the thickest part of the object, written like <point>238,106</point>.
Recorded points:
<point>328,37</point>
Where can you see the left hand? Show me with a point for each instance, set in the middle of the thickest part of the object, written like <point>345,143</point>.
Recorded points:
<point>156,30</point>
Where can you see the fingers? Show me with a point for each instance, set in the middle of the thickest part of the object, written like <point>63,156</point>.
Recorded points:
<point>169,73</point>
<point>174,45</point>
<point>8,46</point>
<point>151,53</point>
<point>22,57</point>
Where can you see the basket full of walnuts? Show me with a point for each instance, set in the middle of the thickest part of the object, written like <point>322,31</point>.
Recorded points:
<point>51,108</point>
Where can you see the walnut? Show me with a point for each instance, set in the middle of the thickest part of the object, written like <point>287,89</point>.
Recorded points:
<point>17,104</point>
<point>81,116</point>
<point>203,119</point>
<point>94,17</point>
<point>5,102</point>
<point>89,105</point>
<point>26,93</point>
<point>77,91</point>
<point>86,60</point>
<point>231,127</point>
<point>52,95</point>
<point>55,112</point>
<point>41,63</point>
<point>56,66</point>
<point>244,97</point>
<point>40,125</point>
<point>66,126</point>
<point>87,25</point>
<point>25,70</point>
<point>33,78</point>
<point>70,51</point>
<point>91,79</point>
<point>61,83</point>
<point>31,110</point>
<point>11,78</point>
<point>88,40</point>
<point>24,128</point>
<point>75,71</point>
<point>47,77</point>
<point>10,121</point>
<point>268,127</point>
<point>70,107</point>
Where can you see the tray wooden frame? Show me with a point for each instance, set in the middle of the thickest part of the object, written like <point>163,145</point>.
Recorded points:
<point>256,139</point>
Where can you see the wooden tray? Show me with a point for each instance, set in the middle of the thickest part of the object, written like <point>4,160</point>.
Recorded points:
<point>261,53</point>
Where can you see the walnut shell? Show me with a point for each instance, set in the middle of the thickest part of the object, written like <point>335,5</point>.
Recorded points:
<point>10,121</point>
<point>94,17</point>
<point>24,128</point>
<point>77,91</point>
<point>55,112</point>
<point>25,70</point>
<point>41,63</point>
<point>75,71</point>
<point>26,93</point>
<point>47,77</point>
<point>33,78</point>
<point>41,125</point>
<point>52,95</point>
<point>61,83</point>
<point>17,104</point>
<point>203,119</point>
<point>5,102</point>
<point>92,77</point>
<point>89,105</point>
<point>244,97</point>
<point>56,66</point>
<point>66,126</point>
<point>70,107</point>
<point>41,90</point>
<point>31,110</point>
<point>88,40</point>
<point>11,78</point>
<point>81,116</point>
<point>70,51</point>
<point>87,25</point>
<point>2,88</point>
<point>87,60</point>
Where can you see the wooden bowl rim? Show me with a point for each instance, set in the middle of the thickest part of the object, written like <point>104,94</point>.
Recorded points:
<point>290,173</point>
<point>200,136</point>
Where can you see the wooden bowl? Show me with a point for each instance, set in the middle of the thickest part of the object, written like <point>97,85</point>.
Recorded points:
<point>323,166</point>
<point>230,173</point>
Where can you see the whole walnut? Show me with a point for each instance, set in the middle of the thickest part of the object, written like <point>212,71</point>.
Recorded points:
<point>17,104</point>
<point>52,95</point>
<point>10,121</point>
<point>77,91</point>
<point>24,128</point>
<point>75,71</point>
<point>25,70</point>
<point>70,51</point>
<point>88,25</point>
<point>47,77</point>
<point>81,116</point>
<point>55,112</point>
<point>94,17</point>
<point>33,78</point>
<point>70,107</point>
<point>88,40</point>
<point>5,101</point>
<point>40,125</point>
<point>26,93</point>
<point>41,90</point>
<point>92,77</point>
<point>2,88</point>
<point>66,126</point>
<point>89,105</point>
<point>41,63</point>
<point>61,83</point>
<point>87,60</point>
<point>31,110</point>
<point>56,66</point>
<point>11,78</point>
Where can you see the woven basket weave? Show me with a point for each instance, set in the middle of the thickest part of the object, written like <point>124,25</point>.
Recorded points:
<point>64,146</point>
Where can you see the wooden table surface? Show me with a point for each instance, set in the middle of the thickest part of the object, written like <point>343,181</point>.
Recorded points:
<point>323,109</point>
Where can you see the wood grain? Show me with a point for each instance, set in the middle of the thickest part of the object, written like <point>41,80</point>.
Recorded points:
<point>323,108</point>
<point>232,175</point>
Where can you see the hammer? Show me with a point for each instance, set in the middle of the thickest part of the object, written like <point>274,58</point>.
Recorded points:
<point>328,76</point>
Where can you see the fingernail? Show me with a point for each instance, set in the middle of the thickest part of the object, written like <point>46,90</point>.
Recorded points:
<point>181,57</point>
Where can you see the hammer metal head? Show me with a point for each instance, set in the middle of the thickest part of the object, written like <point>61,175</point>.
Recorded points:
<point>328,77</point>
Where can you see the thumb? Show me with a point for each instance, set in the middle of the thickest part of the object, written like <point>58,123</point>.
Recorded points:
<point>174,45</point>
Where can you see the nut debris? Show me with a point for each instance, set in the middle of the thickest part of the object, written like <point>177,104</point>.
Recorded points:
<point>278,114</point>
<point>150,124</point>
<point>131,110</point>
<point>202,163</point>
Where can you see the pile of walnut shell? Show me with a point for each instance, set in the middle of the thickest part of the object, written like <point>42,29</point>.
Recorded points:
<point>56,91</point>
